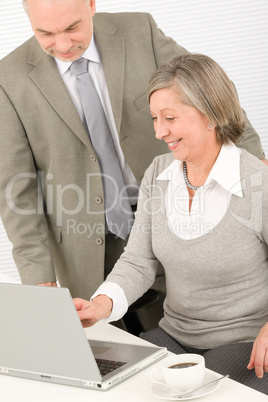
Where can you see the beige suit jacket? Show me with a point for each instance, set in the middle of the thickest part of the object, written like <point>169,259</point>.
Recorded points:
<point>51,194</point>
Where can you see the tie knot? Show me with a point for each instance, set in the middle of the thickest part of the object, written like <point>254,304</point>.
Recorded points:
<point>79,66</point>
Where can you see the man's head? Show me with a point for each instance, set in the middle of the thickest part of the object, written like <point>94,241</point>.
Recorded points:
<point>63,28</point>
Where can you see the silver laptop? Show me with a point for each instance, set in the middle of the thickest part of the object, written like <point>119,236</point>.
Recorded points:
<point>41,338</point>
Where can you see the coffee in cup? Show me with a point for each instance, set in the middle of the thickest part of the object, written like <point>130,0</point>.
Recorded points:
<point>180,373</point>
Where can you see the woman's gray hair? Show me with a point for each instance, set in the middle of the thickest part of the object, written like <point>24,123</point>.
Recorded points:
<point>202,83</point>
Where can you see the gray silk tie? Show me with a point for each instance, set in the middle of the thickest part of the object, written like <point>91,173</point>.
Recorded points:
<point>119,215</point>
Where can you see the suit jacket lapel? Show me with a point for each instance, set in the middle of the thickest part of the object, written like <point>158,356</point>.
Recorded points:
<point>112,53</point>
<point>47,78</point>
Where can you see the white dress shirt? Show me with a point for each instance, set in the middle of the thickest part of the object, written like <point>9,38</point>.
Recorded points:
<point>210,204</point>
<point>96,72</point>
<point>210,201</point>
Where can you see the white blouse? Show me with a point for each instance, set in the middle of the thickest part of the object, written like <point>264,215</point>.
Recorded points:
<point>210,202</point>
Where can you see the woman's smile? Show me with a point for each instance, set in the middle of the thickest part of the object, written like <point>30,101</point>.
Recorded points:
<point>172,145</point>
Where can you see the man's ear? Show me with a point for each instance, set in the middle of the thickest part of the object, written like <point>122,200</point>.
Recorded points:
<point>92,6</point>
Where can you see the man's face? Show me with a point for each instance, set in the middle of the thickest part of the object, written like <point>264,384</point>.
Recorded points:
<point>63,28</point>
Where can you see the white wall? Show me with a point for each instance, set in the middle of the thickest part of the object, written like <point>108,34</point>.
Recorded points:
<point>233,32</point>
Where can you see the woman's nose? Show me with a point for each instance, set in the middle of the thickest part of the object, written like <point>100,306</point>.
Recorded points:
<point>161,132</point>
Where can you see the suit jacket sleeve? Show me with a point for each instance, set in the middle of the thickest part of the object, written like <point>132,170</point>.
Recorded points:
<point>21,199</point>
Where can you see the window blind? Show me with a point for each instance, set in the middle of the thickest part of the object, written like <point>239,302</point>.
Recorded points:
<point>233,32</point>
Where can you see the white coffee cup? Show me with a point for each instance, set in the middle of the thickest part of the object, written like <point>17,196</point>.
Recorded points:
<point>180,373</point>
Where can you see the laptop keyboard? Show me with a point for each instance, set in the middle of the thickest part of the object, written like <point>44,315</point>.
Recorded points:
<point>107,366</point>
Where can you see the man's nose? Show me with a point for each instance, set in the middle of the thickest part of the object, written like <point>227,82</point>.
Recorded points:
<point>63,43</point>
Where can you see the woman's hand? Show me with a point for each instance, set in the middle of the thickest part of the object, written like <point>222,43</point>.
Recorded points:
<point>259,354</point>
<point>91,312</point>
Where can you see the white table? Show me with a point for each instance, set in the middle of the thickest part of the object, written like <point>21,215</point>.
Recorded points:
<point>134,389</point>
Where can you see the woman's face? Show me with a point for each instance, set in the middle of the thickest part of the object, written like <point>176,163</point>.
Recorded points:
<point>184,128</point>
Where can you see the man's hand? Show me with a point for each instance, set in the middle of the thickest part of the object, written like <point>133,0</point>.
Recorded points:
<point>259,354</point>
<point>91,312</point>
<point>265,161</point>
<point>51,284</point>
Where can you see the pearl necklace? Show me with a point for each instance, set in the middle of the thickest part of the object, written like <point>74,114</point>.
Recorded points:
<point>186,178</point>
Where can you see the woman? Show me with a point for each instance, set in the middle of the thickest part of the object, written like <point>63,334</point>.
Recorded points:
<point>203,214</point>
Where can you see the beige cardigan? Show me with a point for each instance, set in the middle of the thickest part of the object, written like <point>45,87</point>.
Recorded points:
<point>217,284</point>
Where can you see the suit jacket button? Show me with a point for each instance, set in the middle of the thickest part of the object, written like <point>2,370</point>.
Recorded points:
<point>93,158</point>
<point>99,241</point>
<point>98,200</point>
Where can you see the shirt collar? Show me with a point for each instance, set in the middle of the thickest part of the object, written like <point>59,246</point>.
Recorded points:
<point>225,171</point>
<point>174,173</point>
<point>91,54</point>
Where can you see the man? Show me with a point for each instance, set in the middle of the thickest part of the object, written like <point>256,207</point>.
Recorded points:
<point>52,193</point>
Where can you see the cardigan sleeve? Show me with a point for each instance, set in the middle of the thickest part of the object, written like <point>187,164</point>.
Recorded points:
<point>136,269</point>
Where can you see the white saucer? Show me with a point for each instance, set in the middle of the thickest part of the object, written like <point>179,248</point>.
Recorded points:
<point>160,391</point>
